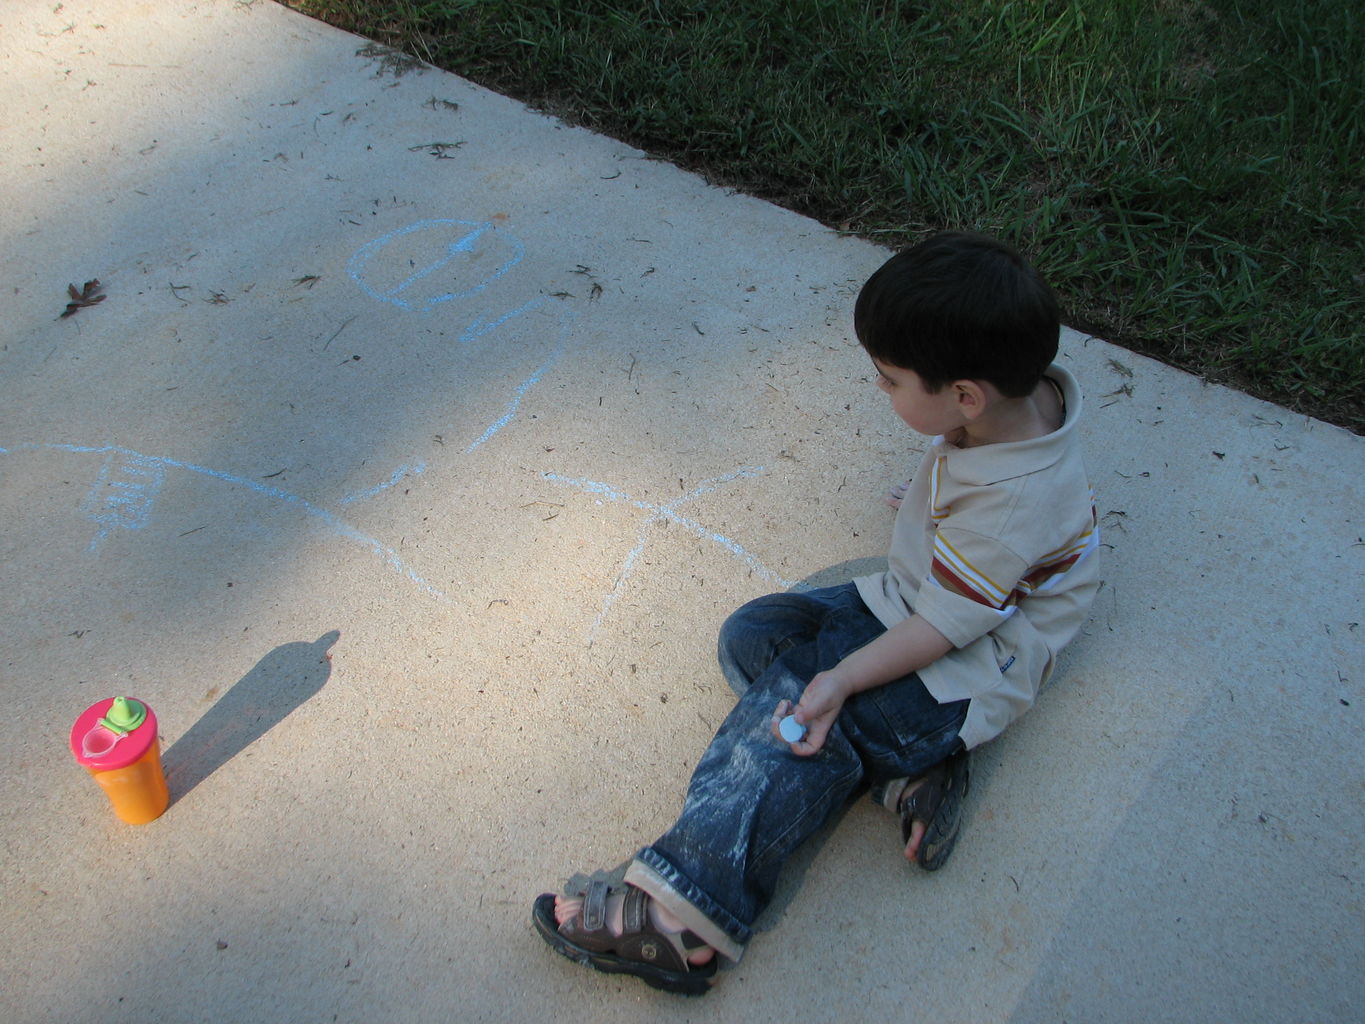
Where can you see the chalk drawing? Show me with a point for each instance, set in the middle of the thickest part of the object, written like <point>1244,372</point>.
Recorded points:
<point>417,268</point>
<point>481,327</point>
<point>565,327</point>
<point>393,481</point>
<point>432,262</point>
<point>669,513</point>
<point>125,491</point>
<point>423,265</point>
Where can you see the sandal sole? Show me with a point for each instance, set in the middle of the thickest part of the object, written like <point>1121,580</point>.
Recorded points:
<point>693,983</point>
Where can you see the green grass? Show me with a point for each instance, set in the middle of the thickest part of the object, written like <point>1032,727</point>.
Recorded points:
<point>1188,175</point>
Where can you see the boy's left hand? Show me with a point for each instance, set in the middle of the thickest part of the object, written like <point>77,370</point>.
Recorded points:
<point>819,706</point>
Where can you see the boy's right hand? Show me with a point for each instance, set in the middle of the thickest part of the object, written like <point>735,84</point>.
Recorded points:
<point>904,648</point>
<point>819,706</point>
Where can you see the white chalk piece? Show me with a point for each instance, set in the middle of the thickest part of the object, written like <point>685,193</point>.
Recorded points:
<point>792,731</point>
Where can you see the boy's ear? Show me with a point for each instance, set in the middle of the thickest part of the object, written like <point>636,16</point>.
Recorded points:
<point>971,397</point>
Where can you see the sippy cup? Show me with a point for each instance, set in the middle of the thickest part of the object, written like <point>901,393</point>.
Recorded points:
<point>115,741</point>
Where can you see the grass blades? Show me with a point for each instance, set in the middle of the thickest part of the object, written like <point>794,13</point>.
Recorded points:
<point>1189,174</point>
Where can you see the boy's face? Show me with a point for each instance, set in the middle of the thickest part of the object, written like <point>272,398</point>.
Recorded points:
<point>927,413</point>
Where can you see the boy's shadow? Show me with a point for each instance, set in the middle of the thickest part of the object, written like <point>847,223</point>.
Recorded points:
<point>260,700</point>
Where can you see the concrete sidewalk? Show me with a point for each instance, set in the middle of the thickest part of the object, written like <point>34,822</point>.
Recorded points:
<point>507,417</point>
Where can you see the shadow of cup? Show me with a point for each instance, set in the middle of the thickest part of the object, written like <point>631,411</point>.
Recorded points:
<point>279,683</point>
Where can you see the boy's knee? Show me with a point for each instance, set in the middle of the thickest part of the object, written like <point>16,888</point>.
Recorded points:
<point>741,625</point>
<point>752,637</point>
<point>730,630</point>
<point>730,654</point>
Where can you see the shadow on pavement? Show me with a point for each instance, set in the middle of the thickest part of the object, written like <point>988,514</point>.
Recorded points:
<point>281,681</point>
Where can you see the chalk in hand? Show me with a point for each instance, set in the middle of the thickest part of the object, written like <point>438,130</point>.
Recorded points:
<point>792,731</point>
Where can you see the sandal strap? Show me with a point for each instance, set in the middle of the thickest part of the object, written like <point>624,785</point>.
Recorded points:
<point>924,800</point>
<point>640,940</point>
<point>636,911</point>
<point>595,906</point>
<point>637,920</point>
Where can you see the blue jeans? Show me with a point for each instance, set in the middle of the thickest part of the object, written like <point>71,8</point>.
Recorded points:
<point>751,801</point>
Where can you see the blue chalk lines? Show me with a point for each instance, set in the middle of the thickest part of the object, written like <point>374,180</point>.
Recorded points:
<point>393,481</point>
<point>433,262</point>
<point>514,404</point>
<point>124,494</point>
<point>481,327</point>
<point>668,513</point>
<point>427,264</point>
<point>126,487</point>
<point>417,269</point>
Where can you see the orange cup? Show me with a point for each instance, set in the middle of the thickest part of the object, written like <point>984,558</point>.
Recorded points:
<point>115,740</point>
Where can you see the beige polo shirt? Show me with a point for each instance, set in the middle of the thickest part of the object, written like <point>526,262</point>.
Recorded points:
<point>995,546</point>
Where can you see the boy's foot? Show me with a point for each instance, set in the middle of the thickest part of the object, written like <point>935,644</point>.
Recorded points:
<point>897,494</point>
<point>626,932</point>
<point>930,809</point>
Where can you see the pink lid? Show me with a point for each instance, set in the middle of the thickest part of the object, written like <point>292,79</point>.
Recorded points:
<point>98,746</point>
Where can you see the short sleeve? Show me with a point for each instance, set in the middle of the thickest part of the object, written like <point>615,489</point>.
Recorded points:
<point>971,585</point>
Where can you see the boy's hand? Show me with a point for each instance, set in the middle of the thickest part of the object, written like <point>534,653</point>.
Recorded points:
<point>819,706</point>
<point>904,648</point>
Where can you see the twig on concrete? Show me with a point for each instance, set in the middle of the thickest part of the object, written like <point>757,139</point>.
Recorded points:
<point>338,331</point>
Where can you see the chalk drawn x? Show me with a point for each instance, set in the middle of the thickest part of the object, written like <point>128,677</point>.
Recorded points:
<point>668,513</point>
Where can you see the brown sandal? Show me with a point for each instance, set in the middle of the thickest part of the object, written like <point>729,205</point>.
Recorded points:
<point>657,958</point>
<point>936,801</point>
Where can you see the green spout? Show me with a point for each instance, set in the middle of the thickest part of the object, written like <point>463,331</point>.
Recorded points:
<point>125,715</point>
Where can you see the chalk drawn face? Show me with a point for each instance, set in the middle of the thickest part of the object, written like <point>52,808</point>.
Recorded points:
<point>434,261</point>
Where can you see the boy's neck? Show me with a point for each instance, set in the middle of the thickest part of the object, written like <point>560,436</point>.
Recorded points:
<point>1006,420</point>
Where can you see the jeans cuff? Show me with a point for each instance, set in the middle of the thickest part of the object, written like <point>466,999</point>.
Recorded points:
<point>697,911</point>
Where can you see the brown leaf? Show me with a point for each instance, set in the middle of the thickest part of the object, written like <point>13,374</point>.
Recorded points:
<point>87,296</point>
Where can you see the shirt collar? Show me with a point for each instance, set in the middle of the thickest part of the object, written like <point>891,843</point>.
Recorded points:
<point>992,463</point>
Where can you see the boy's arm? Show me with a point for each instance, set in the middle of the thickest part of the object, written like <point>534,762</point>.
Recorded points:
<point>904,648</point>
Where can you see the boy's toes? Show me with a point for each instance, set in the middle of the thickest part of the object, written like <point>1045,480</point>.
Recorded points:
<point>917,830</point>
<point>930,809</point>
<point>566,909</point>
<point>913,827</point>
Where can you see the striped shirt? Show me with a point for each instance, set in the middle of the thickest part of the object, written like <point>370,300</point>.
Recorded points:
<point>995,547</point>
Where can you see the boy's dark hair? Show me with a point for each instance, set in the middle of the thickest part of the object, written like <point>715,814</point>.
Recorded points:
<point>960,306</point>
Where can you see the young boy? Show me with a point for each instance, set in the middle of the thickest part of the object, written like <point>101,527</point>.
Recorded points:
<point>895,676</point>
